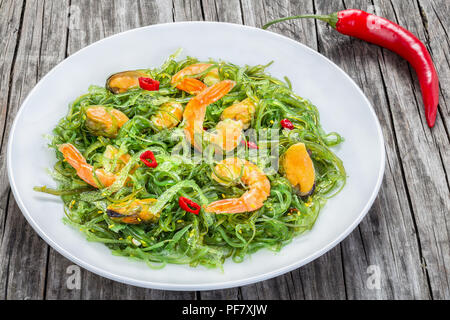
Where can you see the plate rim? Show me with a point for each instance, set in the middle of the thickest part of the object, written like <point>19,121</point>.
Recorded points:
<point>214,285</point>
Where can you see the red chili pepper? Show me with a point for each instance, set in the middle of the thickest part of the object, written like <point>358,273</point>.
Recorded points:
<point>385,33</point>
<point>148,155</point>
<point>148,84</point>
<point>186,204</point>
<point>250,145</point>
<point>287,124</point>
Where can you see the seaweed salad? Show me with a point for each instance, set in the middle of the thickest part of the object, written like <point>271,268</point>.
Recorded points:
<point>193,162</point>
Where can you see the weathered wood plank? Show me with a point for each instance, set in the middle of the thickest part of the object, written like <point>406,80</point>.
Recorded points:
<point>422,167</point>
<point>223,11</point>
<point>10,24</point>
<point>436,23</point>
<point>387,235</point>
<point>284,287</point>
<point>24,254</point>
<point>187,10</point>
<point>10,16</point>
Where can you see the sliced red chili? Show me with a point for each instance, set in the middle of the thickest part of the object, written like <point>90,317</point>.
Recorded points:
<point>250,145</point>
<point>148,155</point>
<point>287,124</point>
<point>188,205</point>
<point>148,84</point>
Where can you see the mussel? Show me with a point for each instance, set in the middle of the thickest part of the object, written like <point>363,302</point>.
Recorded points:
<point>132,212</point>
<point>168,116</point>
<point>299,169</point>
<point>104,121</point>
<point>123,81</point>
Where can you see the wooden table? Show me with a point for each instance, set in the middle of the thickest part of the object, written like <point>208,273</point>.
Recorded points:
<point>405,237</point>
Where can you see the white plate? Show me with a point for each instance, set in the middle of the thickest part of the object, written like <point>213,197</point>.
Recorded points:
<point>342,105</point>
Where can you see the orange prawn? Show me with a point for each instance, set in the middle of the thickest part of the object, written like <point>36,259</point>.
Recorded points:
<point>192,85</point>
<point>228,131</point>
<point>85,171</point>
<point>228,171</point>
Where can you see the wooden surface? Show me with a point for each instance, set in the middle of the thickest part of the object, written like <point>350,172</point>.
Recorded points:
<point>405,237</point>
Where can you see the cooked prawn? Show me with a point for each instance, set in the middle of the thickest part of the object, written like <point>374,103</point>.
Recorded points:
<point>240,111</point>
<point>85,171</point>
<point>227,132</point>
<point>227,172</point>
<point>192,85</point>
<point>114,164</point>
<point>132,211</point>
<point>103,121</point>
<point>171,113</point>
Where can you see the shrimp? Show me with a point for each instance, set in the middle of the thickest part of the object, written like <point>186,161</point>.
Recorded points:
<point>171,113</point>
<point>168,116</point>
<point>85,171</point>
<point>103,121</point>
<point>228,171</point>
<point>132,212</point>
<point>241,111</point>
<point>227,132</point>
<point>111,154</point>
<point>191,85</point>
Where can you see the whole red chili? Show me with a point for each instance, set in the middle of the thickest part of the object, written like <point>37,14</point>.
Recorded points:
<point>148,84</point>
<point>385,33</point>
<point>287,124</point>
<point>188,205</point>
<point>148,155</point>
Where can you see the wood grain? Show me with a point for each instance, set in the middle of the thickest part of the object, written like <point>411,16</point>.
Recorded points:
<point>405,236</point>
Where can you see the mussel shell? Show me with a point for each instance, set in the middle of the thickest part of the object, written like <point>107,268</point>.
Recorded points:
<point>307,194</point>
<point>114,214</point>
<point>134,75</point>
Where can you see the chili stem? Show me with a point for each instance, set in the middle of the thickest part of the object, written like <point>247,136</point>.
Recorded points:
<point>330,19</point>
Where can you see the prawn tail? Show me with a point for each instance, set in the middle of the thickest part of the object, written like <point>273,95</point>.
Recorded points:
<point>72,155</point>
<point>234,205</point>
<point>83,169</point>
<point>191,86</point>
<point>215,92</point>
